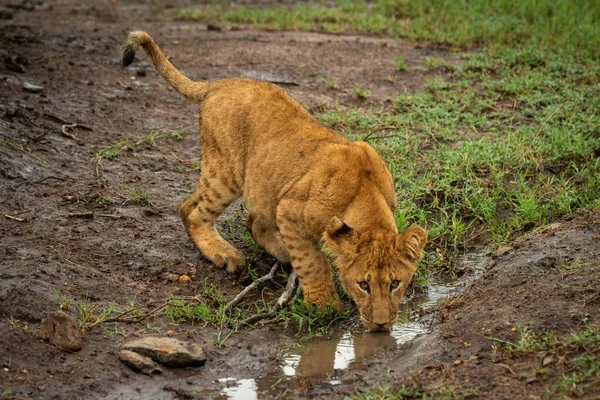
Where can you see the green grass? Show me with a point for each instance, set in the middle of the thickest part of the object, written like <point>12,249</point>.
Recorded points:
<point>577,264</point>
<point>63,302</point>
<point>566,26</point>
<point>362,94</point>
<point>137,195</point>
<point>400,64</point>
<point>90,315</point>
<point>576,357</point>
<point>311,318</point>
<point>125,145</point>
<point>13,322</point>
<point>433,63</point>
<point>209,309</point>
<point>330,83</point>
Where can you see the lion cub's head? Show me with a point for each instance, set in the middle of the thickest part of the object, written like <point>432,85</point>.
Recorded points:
<point>375,268</point>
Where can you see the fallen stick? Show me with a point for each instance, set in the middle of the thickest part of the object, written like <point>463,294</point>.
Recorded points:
<point>292,290</point>
<point>14,218</point>
<point>65,122</point>
<point>240,296</point>
<point>286,296</point>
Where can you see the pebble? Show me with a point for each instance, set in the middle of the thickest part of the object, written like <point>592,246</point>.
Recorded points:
<point>171,277</point>
<point>140,363</point>
<point>168,351</point>
<point>62,331</point>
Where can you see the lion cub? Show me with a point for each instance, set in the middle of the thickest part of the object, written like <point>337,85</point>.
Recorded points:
<point>305,186</point>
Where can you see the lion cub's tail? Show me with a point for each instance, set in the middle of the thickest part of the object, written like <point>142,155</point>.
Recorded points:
<point>193,91</point>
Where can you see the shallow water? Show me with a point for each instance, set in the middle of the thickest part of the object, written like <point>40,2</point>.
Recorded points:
<point>320,361</point>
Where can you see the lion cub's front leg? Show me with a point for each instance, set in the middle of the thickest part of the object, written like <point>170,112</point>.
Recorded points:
<point>311,265</point>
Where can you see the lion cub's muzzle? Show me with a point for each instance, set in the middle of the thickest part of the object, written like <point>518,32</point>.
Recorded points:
<point>378,327</point>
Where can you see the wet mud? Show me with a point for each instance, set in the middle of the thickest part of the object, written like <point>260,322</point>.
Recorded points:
<point>73,228</point>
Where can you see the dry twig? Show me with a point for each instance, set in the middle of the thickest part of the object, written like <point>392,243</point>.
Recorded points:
<point>292,290</point>
<point>14,218</point>
<point>240,296</point>
<point>384,128</point>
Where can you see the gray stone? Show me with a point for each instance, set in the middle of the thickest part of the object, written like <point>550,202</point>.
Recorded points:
<point>31,88</point>
<point>169,276</point>
<point>138,362</point>
<point>62,331</point>
<point>168,351</point>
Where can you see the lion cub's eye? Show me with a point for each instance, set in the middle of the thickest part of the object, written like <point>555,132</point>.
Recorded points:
<point>364,285</point>
<point>394,284</point>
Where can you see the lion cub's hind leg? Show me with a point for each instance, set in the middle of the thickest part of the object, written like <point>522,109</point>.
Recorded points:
<point>199,213</point>
<point>266,234</point>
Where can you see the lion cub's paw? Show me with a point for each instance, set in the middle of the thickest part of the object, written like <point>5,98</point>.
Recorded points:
<point>323,302</point>
<point>233,262</point>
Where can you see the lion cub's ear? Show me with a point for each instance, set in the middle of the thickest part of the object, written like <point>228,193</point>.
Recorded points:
<point>412,243</point>
<point>338,236</point>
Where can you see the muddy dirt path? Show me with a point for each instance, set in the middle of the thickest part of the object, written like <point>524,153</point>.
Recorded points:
<point>110,233</point>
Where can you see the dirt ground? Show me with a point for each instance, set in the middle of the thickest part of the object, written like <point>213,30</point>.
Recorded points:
<point>134,241</point>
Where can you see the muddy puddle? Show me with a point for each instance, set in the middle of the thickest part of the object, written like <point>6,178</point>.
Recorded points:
<point>321,362</point>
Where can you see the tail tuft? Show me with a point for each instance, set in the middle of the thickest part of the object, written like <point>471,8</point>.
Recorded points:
<point>193,91</point>
<point>128,55</point>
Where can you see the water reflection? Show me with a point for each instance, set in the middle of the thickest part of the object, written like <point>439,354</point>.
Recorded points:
<point>239,389</point>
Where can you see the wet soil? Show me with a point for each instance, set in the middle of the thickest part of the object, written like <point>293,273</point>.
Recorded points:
<point>111,232</point>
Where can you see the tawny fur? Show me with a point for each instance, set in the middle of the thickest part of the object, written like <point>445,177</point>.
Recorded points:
<point>305,186</point>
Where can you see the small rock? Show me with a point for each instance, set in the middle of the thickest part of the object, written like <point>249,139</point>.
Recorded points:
<point>168,351</point>
<point>547,361</point>
<point>171,277</point>
<point>31,88</point>
<point>5,13</point>
<point>137,362</point>
<point>62,331</point>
